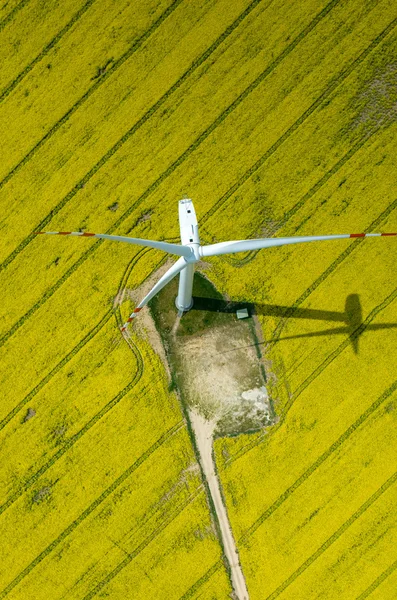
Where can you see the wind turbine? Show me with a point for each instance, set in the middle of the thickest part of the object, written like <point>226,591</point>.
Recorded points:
<point>190,252</point>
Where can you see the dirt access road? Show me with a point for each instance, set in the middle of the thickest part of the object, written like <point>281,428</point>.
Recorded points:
<point>203,431</point>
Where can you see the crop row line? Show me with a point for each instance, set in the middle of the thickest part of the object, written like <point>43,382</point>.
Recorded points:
<point>7,90</point>
<point>172,515</point>
<point>320,460</point>
<point>334,537</point>
<point>211,571</point>
<point>163,438</point>
<point>331,357</point>
<point>110,71</point>
<point>56,369</point>
<point>351,248</point>
<point>334,83</point>
<point>308,195</point>
<point>215,567</point>
<point>70,442</point>
<point>90,335</point>
<point>150,189</point>
<point>382,577</point>
<point>153,109</point>
<point>12,14</point>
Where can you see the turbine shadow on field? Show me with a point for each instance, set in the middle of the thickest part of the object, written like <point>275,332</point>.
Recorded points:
<point>351,317</point>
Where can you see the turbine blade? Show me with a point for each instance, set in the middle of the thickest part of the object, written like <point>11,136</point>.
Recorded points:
<point>246,245</point>
<point>166,247</point>
<point>166,278</point>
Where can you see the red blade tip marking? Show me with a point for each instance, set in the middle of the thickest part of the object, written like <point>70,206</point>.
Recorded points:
<point>86,234</point>
<point>388,233</point>
<point>352,235</point>
<point>64,232</point>
<point>137,310</point>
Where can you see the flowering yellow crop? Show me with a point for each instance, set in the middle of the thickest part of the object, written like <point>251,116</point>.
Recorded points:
<point>276,118</point>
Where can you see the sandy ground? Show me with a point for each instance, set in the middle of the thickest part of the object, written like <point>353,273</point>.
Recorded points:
<point>203,431</point>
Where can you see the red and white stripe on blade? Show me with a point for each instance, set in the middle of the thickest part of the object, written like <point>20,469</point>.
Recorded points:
<point>170,274</point>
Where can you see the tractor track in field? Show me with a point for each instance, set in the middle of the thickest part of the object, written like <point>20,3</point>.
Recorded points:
<point>11,86</point>
<point>155,184</point>
<point>167,435</point>
<point>70,442</point>
<point>306,197</point>
<point>110,71</point>
<point>173,167</point>
<point>334,537</point>
<point>382,577</point>
<point>12,14</point>
<point>211,571</point>
<point>132,555</point>
<point>298,482</point>
<point>332,267</point>
<point>320,460</point>
<point>87,338</point>
<point>90,335</point>
<point>330,358</point>
<point>149,113</point>
<point>332,85</point>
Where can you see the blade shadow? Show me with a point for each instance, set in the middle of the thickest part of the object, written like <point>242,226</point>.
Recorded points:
<point>351,317</point>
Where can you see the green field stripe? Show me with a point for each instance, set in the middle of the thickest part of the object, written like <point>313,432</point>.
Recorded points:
<point>154,108</point>
<point>378,581</point>
<point>334,83</point>
<point>331,357</point>
<point>56,369</point>
<point>168,434</point>
<point>172,515</point>
<point>334,537</point>
<point>75,438</point>
<point>200,582</point>
<point>353,246</point>
<point>321,459</point>
<point>45,50</point>
<point>12,14</point>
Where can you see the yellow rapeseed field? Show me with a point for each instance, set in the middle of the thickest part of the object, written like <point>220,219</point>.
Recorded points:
<point>276,118</point>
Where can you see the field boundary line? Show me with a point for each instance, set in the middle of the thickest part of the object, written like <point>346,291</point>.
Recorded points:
<point>130,132</point>
<point>320,460</point>
<point>132,555</point>
<point>75,438</point>
<point>11,86</point>
<point>334,83</point>
<point>334,537</point>
<point>163,438</point>
<point>12,14</point>
<point>378,581</point>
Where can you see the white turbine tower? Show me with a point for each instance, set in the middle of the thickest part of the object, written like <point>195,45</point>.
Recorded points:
<point>190,252</point>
